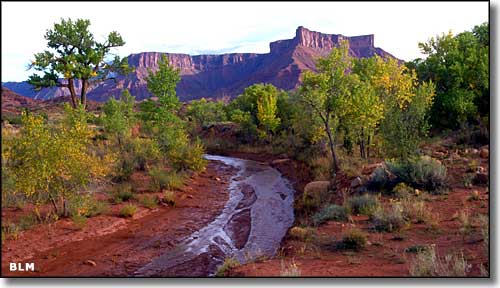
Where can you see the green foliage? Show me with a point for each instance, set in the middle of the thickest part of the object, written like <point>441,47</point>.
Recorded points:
<point>330,212</point>
<point>86,205</point>
<point>57,159</point>
<point>365,204</point>
<point>302,234</point>
<point>229,263</point>
<point>203,112</point>
<point>128,210</point>
<point>162,84</point>
<point>422,173</point>
<point>354,239</point>
<point>122,193</point>
<point>74,54</point>
<point>149,202</point>
<point>402,190</point>
<point>169,198</point>
<point>380,180</point>
<point>162,179</point>
<point>459,65</point>
<point>79,221</point>
<point>118,116</point>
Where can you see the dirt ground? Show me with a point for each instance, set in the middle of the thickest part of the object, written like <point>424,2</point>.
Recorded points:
<point>113,246</point>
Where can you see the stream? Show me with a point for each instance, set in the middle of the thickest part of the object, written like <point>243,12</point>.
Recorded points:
<point>252,224</point>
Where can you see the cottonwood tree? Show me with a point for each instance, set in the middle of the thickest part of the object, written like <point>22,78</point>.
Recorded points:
<point>74,55</point>
<point>326,92</point>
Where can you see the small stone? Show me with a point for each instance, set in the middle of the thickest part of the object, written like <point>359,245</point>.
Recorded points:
<point>356,182</point>
<point>189,196</point>
<point>90,262</point>
<point>484,153</point>
<point>217,179</point>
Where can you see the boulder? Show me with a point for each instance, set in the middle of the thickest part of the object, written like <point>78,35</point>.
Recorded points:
<point>367,170</point>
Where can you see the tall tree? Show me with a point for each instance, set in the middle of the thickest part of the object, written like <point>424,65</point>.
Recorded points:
<point>326,92</point>
<point>74,55</point>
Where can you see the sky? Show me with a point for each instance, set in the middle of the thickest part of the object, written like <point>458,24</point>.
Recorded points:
<point>220,27</point>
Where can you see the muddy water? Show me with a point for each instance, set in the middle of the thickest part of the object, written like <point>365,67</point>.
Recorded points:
<point>252,224</point>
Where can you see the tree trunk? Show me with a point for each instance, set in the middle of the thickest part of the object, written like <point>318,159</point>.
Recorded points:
<point>71,87</point>
<point>332,146</point>
<point>54,204</point>
<point>368,147</point>
<point>84,93</point>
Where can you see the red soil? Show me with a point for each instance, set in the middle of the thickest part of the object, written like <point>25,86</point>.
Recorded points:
<point>118,246</point>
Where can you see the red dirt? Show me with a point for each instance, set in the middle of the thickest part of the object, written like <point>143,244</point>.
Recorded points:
<point>118,246</point>
<point>385,253</point>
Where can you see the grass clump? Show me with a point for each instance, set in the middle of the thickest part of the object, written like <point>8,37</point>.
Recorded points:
<point>302,234</point>
<point>162,179</point>
<point>353,239</point>
<point>291,270</point>
<point>428,264</point>
<point>365,204</point>
<point>330,212</point>
<point>388,220</point>
<point>169,198</point>
<point>421,173</point>
<point>229,263</point>
<point>86,205</point>
<point>128,210</point>
<point>416,211</point>
<point>149,202</point>
<point>402,190</point>
<point>79,221</point>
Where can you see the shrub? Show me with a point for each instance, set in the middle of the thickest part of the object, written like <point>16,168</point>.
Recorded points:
<point>86,205</point>
<point>128,210</point>
<point>169,198</point>
<point>123,192</point>
<point>149,202</point>
<point>388,220</point>
<point>421,173</point>
<point>292,270</point>
<point>427,264</point>
<point>353,239</point>
<point>162,179</point>
<point>380,180</point>
<point>79,221</point>
<point>402,190</point>
<point>315,194</point>
<point>330,212</point>
<point>416,211</point>
<point>466,226</point>
<point>301,233</point>
<point>366,204</point>
<point>229,263</point>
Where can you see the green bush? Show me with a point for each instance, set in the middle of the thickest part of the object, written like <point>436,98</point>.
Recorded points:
<point>123,192</point>
<point>301,233</point>
<point>169,198</point>
<point>79,221</point>
<point>330,212</point>
<point>149,202</point>
<point>353,239</point>
<point>421,173</point>
<point>380,180</point>
<point>366,204</point>
<point>388,220</point>
<point>86,205</point>
<point>162,179</point>
<point>229,263</point>
<point>402,190</point>
<point>428,264</point>
<point>128,210</point>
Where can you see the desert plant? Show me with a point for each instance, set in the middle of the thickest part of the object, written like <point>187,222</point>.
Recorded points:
<point>229,263</point>
<point>128,210</point>
<point>421,173</point>
<point>86,205</point>
<point>402,190</point>
<point>416,211</point>
<point>123,192</point>
<point>149,202</point>
<point>380,180</point>
<point>301,233</point>
<point>354,239</point>
<point>79,221</point>
<point>388,219</point>
<point>162,179</point>
<point>428,264</point>
<point>466,226</point>
<point>330,212</point>
<point>365,204</point>
<point>169,198</point>
<point>474,196</point>
<point>292,270</point>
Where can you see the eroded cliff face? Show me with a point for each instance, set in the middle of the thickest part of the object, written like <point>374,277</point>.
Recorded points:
<point>227,75</point>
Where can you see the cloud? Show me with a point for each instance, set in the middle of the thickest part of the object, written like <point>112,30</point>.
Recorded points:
<point>220,27</point>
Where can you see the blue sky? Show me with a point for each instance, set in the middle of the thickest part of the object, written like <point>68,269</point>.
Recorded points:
<point>214,28</point>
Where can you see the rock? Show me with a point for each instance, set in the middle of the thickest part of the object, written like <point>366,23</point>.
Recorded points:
<point>367,170</point>
<point>474,151</point>
<point>480,178</point>
<point>90,262</point>
<point>217,179</point>
<point>356,182</point>
<point>279,161</point>
<point>484,153</point>
<point>189,196</point>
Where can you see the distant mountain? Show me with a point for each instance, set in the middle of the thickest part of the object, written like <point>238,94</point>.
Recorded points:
<point>226,75</point>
